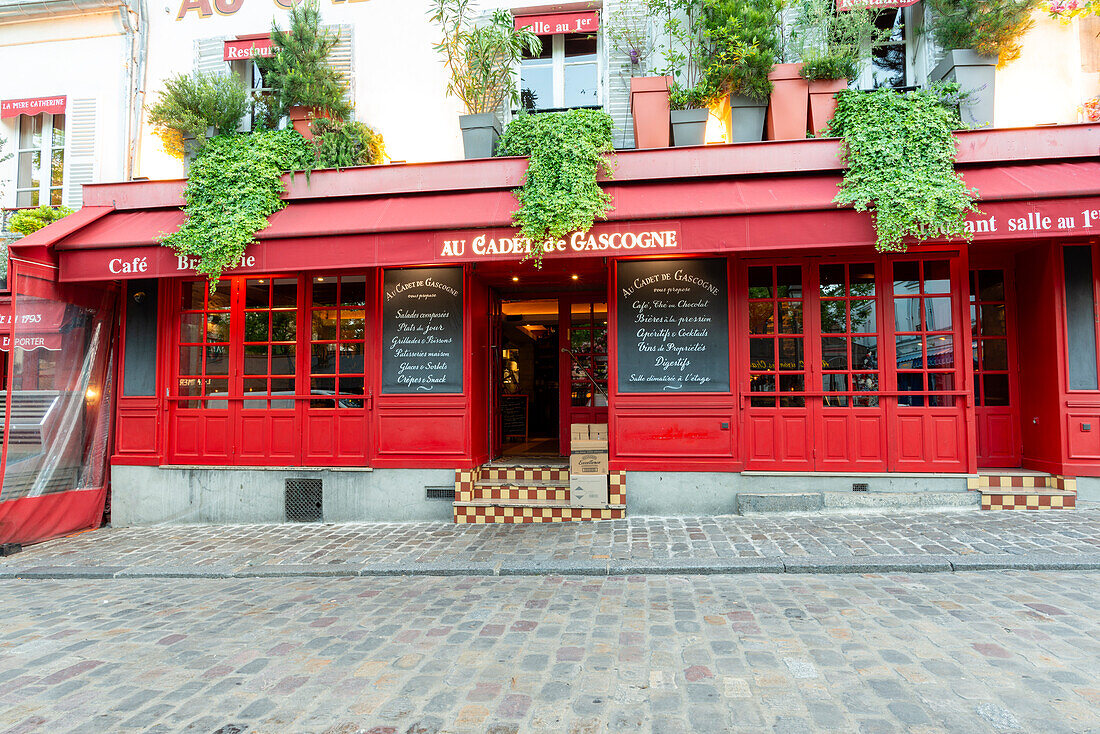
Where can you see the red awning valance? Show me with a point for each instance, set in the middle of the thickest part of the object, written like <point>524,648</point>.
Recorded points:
<point>249,47</point>
<point>33,106</point>
<point>549,24</point>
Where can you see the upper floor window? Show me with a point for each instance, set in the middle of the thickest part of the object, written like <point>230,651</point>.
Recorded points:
<point>258,91</point>
<point>565,75</point>
<point>889,63</point>
<point>40,160</point>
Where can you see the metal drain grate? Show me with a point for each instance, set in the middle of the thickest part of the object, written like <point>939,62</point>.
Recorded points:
<point>303,500</point>
<point>860,486</point>
<point>441,493</point>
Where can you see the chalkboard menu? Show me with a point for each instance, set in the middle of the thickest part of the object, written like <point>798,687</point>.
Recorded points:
<point>673,326</point>
<point>513,416</point>
<point>422,341</point>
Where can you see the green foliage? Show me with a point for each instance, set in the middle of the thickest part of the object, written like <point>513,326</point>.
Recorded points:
<point>990,27</point>
<point>481,58</point>
<point>299,72</point>
<point>751,29</point>
<point>342,144</point>
<point>901,165</point>
<point>191,103</point>
<point>566,151</point>
<point>833,44</point>
<point>25,221</point>
<point>627,29</point>
<point>234,185</point>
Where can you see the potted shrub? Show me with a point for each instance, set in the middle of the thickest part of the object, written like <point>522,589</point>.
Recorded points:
<point>346,143</point>
<point>832,45</point>
<point>194,107</point>
<point>627,30</point>
<point>978,35</point>
<point>685,59</point>
<point>481,60</point>
<point>305,86</point>
<point>752,26</point>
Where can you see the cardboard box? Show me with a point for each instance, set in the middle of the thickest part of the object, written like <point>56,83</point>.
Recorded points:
<point>578,431</point>
<point>588,490</point>
<point>588,463</point>
<point>588,446</point>
<point>597,431</point>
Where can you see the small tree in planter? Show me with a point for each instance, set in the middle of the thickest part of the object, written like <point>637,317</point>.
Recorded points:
<point>753,25</point>
<point>978,35</point>
<point>685,56</point>
<point>832,45</point>
<point>305,85</point>
<point>481,60</point>
<point>194,107</point>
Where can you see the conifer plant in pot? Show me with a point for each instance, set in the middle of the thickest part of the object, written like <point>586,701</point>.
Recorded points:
<point>481,59</point>
<point>978,35</point>
<point>751,28</point>
<point>305,86</point>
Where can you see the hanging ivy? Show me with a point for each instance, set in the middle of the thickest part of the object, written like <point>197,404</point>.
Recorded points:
<point>901,164</point>
<point>234,185</point>
<point>560,194</point>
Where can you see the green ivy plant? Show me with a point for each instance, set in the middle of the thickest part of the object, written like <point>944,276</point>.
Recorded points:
<point>901,165</point>
<point>560,194</point>
<point>235,184</point>
<point>26,221</point>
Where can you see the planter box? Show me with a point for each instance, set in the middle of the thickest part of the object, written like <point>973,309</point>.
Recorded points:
<point>976,74</point>
<point>480,135</point>
<point>746,123</point>
<point>649,108</point>
<point>302,118</point>
<point>689,127</point>
<point>823,102</point>
<point>789,107</point>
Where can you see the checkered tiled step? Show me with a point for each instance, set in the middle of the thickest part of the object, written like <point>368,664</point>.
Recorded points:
<point>1022,481</point>
<point>523,503</point>
<point>522,474</point>
<point>1034,499</point>
<point>502,490</point>
<point>476,514</point>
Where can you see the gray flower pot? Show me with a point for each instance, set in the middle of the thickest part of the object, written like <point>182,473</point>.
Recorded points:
<point>975,74</point>
<point>480,134</point>
<point>689,127</point>
<point>746,119</point>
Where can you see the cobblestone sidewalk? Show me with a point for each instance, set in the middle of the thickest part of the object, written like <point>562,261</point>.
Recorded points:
<point>946,541</point>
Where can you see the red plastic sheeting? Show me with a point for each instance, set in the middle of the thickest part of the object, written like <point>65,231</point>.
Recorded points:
<point>58,407</point>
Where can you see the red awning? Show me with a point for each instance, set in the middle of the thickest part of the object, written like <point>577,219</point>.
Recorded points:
<point>249,47</point>
<point>548,24</point>
<point>33,106</point>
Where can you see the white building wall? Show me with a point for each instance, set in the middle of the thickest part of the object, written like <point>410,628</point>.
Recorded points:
<point>85,58</point>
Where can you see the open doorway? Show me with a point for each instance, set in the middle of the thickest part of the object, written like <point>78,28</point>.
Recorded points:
<point>529,379</point>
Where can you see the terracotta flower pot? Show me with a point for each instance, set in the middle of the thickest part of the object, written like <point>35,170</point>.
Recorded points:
<point>302,117</point>
<point>649,108</point>
<point>823,102</point>
<point>789,106</point>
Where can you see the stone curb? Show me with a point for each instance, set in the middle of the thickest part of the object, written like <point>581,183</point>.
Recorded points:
<point>678,567</point>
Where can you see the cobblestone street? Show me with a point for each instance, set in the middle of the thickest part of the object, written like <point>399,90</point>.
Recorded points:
<point>963,652</point>
<point>841,542</point>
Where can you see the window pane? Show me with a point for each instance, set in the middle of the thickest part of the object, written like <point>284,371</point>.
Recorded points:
<point>888,66</point>
<point>790,317</point>
<point>580,85</point>
<point>834,383</point>
<point>791,354</point>
<point>283,326</point>
<point>325,325</point>
<point>30,131</point>
<point>760,282</point>
<point>994,354</point>
<point>761,318</point>
<point>217,327</point>
<point>941,381</point>
<point>351,385</point>
<point>910,352</point>
<point>353,290</point>
<point>906,277</point>
<point>789,281</point>
<point>862,277</point>
<point>29,164</point>
<point>322,386</point>
<point>580,45</point>
<point>58,131</point>
<point>351,324</point>
<point>255,386</point>
<point>996,389</point>
<point>284,293</point>
<point>863,317</point>
<point>323,359</point>
<point>864,353</point>
<point>255,359</point>
<point>762,383</point>
<point>937,277</point>
<point>991,285</point>
<point>282,359</point>
<point>941,351</point>
<point>219,299</point>
<point>217,360</point>
<point>55,197</point>
<point>351,357</point>
<point>26,198</point>
<point>193,294</point>
<point>910,381</point>
<point>834,353</point>
<point>832,280</point>
<point>937,314</point>
<point>762,354</point>
<point>57,167</point>
<point>256,293</point>
<point>191,328</point>
<point>832,317</point>
<point>536,84</point>
<point>190,361</point>
<point>255,326</point>
<point>993,319</point>
<point>324,291</point>
<point>907,314</point>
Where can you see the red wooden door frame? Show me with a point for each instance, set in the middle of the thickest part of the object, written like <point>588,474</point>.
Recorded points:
<point>567,411</point>
<point>1009,456</point>
<point>496,371</point>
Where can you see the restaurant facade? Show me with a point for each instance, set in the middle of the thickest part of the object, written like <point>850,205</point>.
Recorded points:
<point>736,331</point>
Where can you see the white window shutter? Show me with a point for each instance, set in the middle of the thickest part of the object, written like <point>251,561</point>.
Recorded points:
<point>342,57</point>
<point>210,56</point>
<point>81,154</point>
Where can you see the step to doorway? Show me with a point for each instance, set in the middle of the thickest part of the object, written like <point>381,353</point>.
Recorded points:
<point>749,503</point>
<point>529,494</point>
<point>1024,490</point>
<point>1017,480</point>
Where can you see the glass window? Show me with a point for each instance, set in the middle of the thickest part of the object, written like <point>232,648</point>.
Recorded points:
<point>990,339</point>
<point>848,316</point>
<point>203,367</point>
<point>588,344</point>
<point>40,160</point>
<point>338,333</point>
<point>887,65</point>
<point>777,362</point>
<point>564,75</point>
<point>923,332</point>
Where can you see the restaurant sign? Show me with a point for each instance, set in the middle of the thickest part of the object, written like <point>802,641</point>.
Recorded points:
<point>249,48</point>
<point>33,106</point>
<point>479,245</point>
<point>549,24</point>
